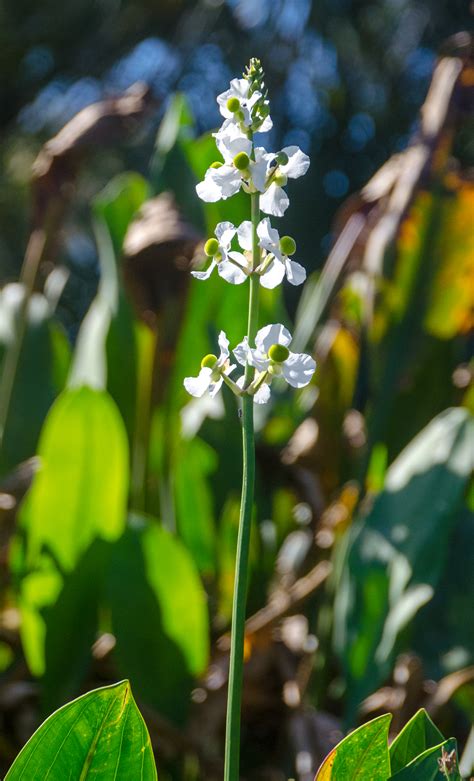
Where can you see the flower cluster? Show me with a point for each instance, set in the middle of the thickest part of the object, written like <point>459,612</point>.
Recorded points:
<point>263,255</point>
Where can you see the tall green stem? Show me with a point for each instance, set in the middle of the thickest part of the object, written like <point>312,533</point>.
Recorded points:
<point>234,700</point>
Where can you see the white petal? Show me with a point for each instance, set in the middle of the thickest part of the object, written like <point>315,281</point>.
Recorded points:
<point>215,387</point>
<point>204,274</point>
<point>266,125</point>
<point>197,386</point>
<point>208,190</point>
<point>269,237</point>
<point>276,333</point>
<point>239,88</point>
<point>273,276</point>
<point>227,178</point>
<point>298,369</point>
<point>274,201</point>
<point>225,232</point>
<point>230,141</point>
<point>244,235</point>
<point>231,273</point>
<point>223,343</point>
<point>295,273</point>
<point>298,162</point>
<point>259,167</point>
<point>241,351</point>
<point>262,396</point>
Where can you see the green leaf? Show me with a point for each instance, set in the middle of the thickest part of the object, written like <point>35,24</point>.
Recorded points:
<point>418,735</point>
<point>77,498</point>
<point>425,767</point>
<point>101,735</point>
<point>80,492</point>
<point>397,552</point>
<point>159,615</point>
<point>361,756</point>
<point>118,203</point>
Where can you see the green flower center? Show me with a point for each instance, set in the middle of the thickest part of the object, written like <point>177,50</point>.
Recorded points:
<point>287,245</point>
<point>209,361</point>
<point>233,104</point>
<point>211,247</point>
<point>282,158</point>
<point>278,353</point>
<point>241,161</point>
<point>216,164</point>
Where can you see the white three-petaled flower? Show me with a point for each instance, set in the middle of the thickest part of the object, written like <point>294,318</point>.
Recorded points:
<point>275,200</point>
<point>269,239</point>
<point>210,379</point>
<point>225,181</point>
<point>239,88</point>
<point>296,368</point>
<point>230,270</point>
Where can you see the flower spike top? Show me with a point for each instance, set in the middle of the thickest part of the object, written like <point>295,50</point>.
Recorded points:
<point>266,257</point>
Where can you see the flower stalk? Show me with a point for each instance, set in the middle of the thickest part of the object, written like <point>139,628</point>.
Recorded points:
<point>264,354</point>
<point>236,668</point>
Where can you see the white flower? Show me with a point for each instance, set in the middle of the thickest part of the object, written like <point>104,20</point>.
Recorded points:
<point>230,270</point>
<point>272,356</point>
<point>239,90</point>
<point>225,180</point>
<point>269,240</point>
<point>274,200</point>
<point>212,368</point>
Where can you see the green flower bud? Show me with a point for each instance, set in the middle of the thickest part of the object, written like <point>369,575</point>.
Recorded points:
<point>211,247</point>
<point>209,361</point>
<point>241,161</point>
<point>287,245</point>
<point>216,164</point>
<point>281,180</point>
<point>282,158</point>
<point>278,353</point>
<point>233,104</point>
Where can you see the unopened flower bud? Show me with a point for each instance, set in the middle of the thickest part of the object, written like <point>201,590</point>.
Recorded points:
<point>216,164</point>
<point>209,361</point>
<point>287,245</point>
<point>241,161</point>
<point>278,353</point>
<point>211,247</point>
<point>282,158</point>
<point>233,104</point>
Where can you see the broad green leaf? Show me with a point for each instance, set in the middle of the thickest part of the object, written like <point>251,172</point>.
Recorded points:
<point>397,552</point>
<point>159,615</point>
<point>100,736</point>
<point>361,756</point>
<point>77,498</point>
<point>40,373</point>
<point>426,768</point>
<point>80,491</point>
<point>418,735</point>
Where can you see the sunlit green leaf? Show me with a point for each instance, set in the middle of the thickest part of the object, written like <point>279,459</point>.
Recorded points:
<point>101,735</point>
<point>361,756</point>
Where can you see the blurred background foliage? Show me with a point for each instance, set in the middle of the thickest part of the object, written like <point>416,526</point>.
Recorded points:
<point>119,501</point>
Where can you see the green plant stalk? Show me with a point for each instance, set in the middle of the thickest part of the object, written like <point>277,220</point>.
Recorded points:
<point>234,699</point>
